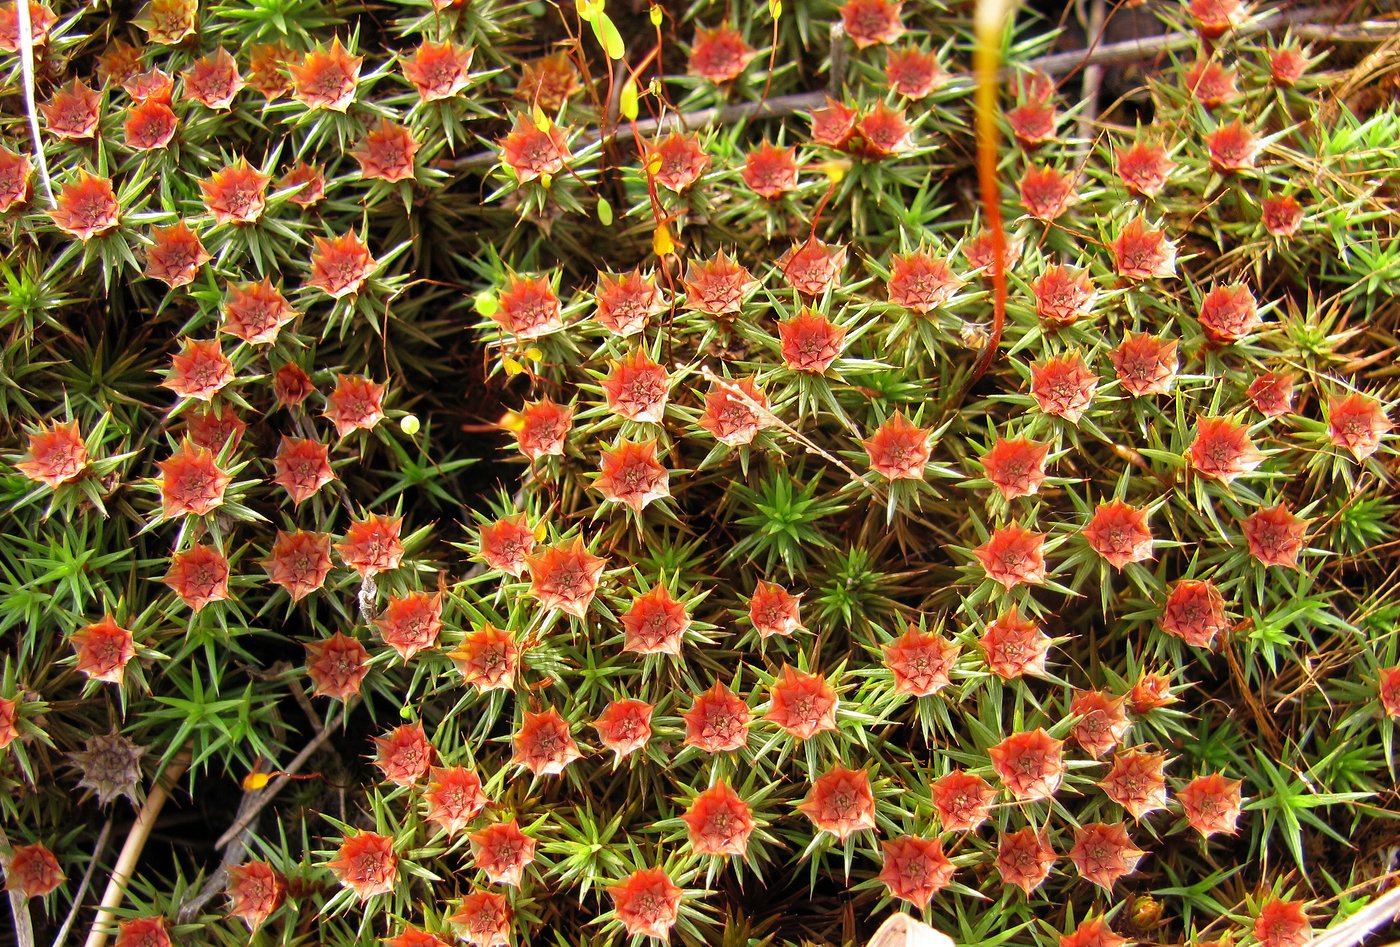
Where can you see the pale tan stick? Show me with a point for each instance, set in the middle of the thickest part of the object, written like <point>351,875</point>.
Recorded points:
<point>26,67</point>
<point>901,930</point>
<point>19,906</point>
<point>131,850</point>
<point>1091,83</point>
<point>98,851</point>
<point>1361,925</point>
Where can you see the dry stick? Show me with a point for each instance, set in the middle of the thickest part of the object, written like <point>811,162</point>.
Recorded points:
<point>97,853</point>
<point>217,880</point>
<point>1355,929</point>
<point>235,840</point>
<point>278,784</point>
<point>1302,21</point>
<point>840,60</point>
<point>767,414</point>
<point>19,905</point>
<point>26,67</point>
<point>131,850</point>
<point>1091,84</point>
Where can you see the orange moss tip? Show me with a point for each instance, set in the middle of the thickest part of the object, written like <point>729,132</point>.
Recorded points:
<point>411,623</point>
<point>719,822</point>
<point>32,871</point>
<point>41,21</point>
<point>544,744</point>
<point>802,704</point>
<point>86,207</point>
<point>872,22</point>
<point>631,474</point>
<point>454,797</point>
<point>774,611</point>
<point>624,726</point>
<point>717,721</point>
<point>255,890</point>
<point>191,483</point>
<point>404,754</point>
<point>962,800</point>
<point>914,869</point>
<point>1104,853</point>
<point>341,265</point>
<point>565,576</point>
<point>1103,721</point>
<point>235,194</point>
<point>840,802</point>
<point>1015,647</point>
<point>655,623</point>
<point>532,152</point>
<point>326,79</point>
<point>175,255</point>
<point>387,153</point>
<point>199,576</point>
<point>299,562</point>
<point>438,71</point>
<point>337,666</point>
<point>487,658</point>
<point>1029,764</point>
<point>372,545</point>
<point>484,919</point>
<point>719,55</point>
<point>103,650</point>
<point>503,852</point>
<point>57,454</point>
<point>356,404</point>
<point>366,864</point>
<point>213,80</point>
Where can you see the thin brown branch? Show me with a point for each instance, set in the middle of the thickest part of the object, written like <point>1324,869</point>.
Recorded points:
<point>270,792</point>
<point>1307,23</point>
<point>1091,84</point>
<point>234,841</point>
<point>219,877</point>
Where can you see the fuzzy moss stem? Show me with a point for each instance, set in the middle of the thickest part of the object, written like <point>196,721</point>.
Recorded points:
<point>991,19</point>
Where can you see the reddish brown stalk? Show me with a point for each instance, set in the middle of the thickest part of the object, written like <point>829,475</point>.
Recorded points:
<point>772,58</point>
<point>985,69</point>
<point>826,199</point>
<point>659,219</point>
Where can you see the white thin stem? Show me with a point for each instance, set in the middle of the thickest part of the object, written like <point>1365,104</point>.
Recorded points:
<point>26,65</point>
<point>19,905</point>
<point>97,852</point>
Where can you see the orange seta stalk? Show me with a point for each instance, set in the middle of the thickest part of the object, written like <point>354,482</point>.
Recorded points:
<point>991,17</point>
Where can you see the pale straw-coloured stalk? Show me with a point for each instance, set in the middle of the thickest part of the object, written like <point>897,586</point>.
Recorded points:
<point>26,65</point>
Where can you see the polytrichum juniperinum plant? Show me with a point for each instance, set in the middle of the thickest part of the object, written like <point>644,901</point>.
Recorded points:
<point>604,473</point>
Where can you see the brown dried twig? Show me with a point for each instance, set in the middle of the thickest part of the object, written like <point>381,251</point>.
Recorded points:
<point>1306,23</point>
<point>270,792</point>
